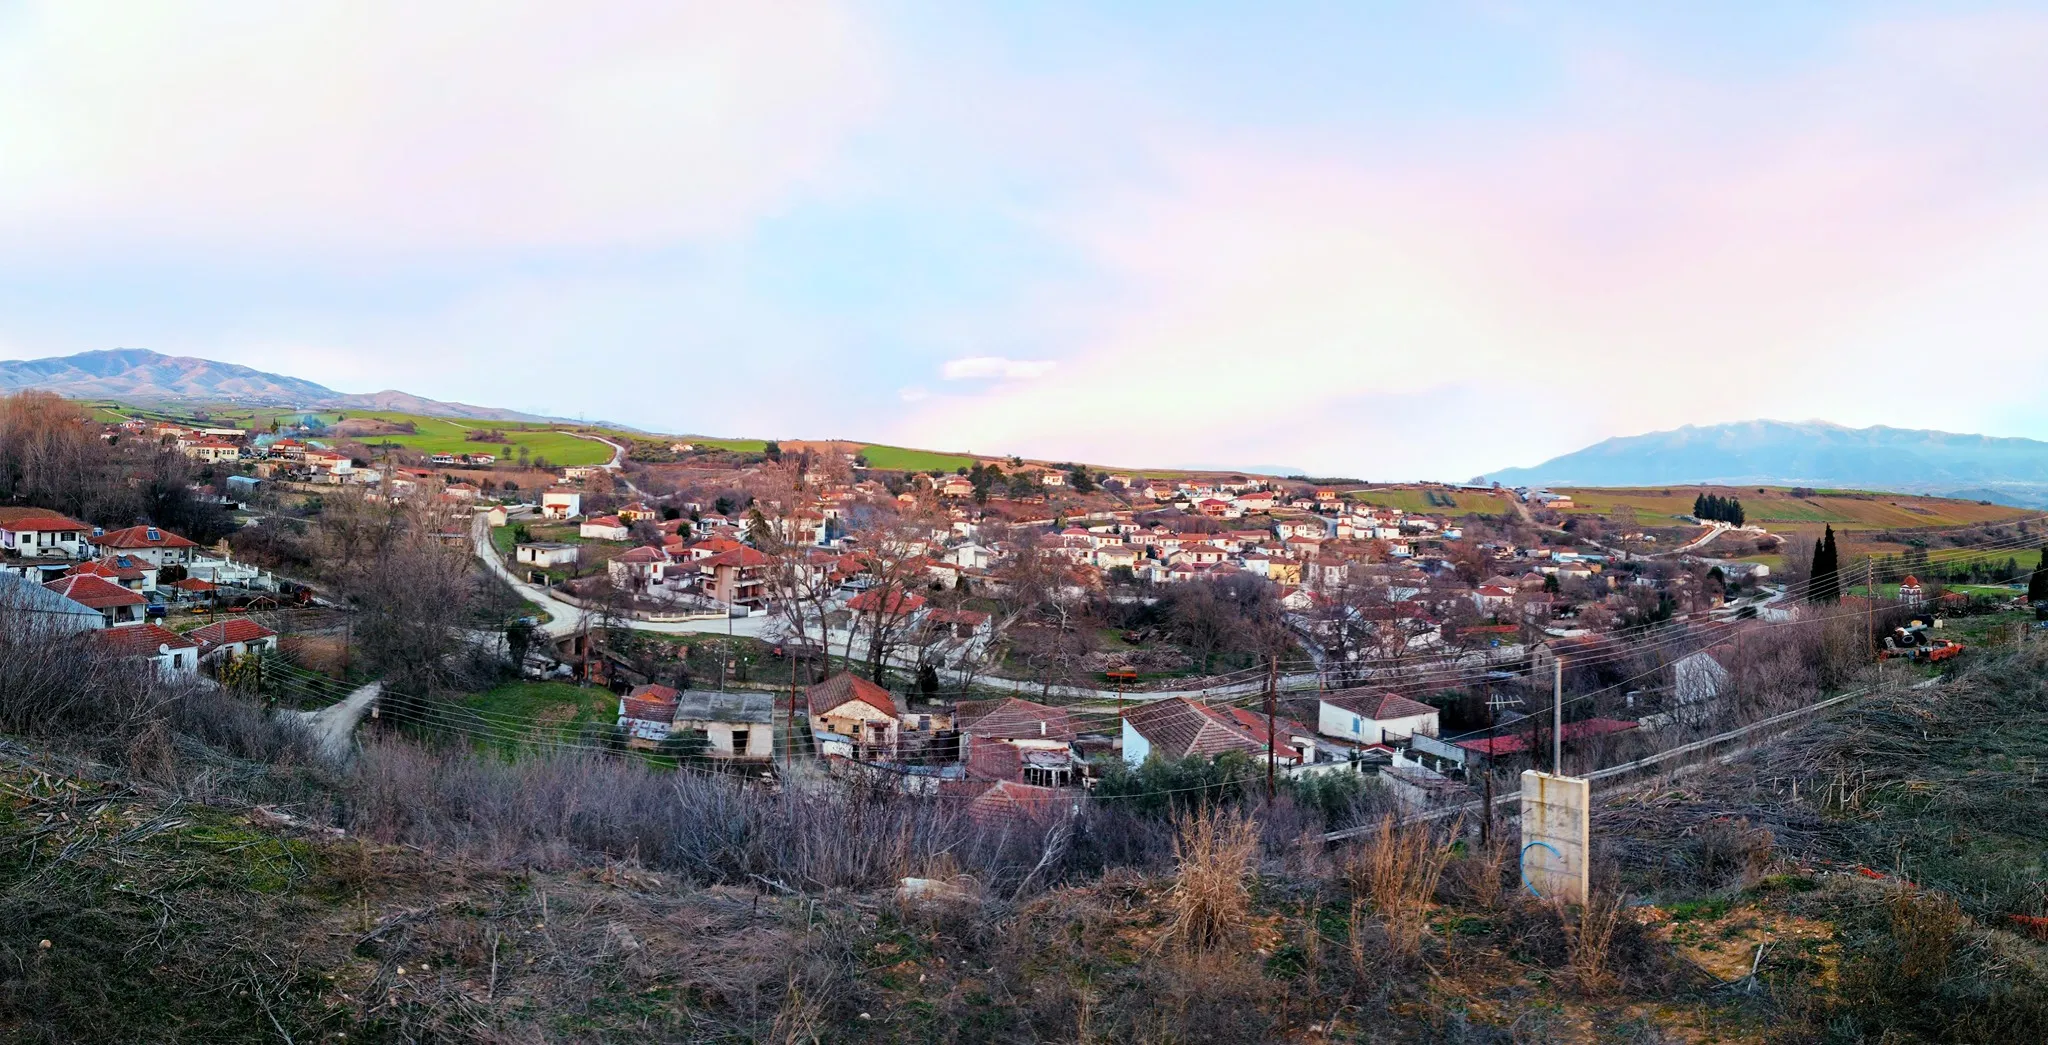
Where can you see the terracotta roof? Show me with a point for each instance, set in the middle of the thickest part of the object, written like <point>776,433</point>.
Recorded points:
<point>1377,705</point>
<point>606,520</point>
<point>97,592</point>
<point>1255,723</point>
<point>653,702</point>
<point>139,537</point>
<point>1007,799</point>
<point>24,520</point>
<point>896,601</point>
<point>1178,728</point>
<point>740,557</point>
<point>1516,743</point>
<point>1014,718</point>
<point>845,688</point>
<point>227,632</point>
<point>141,640</point>
<point>194,584</point>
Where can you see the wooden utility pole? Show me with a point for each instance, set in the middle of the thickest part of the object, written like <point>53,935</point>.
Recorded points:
<point>1870,615</point>
<point>1272,697</point>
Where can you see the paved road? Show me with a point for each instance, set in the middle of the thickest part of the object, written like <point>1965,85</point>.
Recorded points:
<point>568,618</point>
<point>334,726</point>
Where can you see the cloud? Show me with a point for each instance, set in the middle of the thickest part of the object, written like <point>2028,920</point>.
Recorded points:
<point>447,126</point>
<point>1656,251</point>
<point>913,393</point>
<point>983,368</point>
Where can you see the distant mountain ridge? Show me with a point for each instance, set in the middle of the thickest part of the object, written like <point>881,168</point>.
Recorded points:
<point>1807,453</point>
<point>140,375</point>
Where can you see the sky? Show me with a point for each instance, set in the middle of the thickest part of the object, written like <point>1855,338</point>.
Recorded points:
<point>1389,241</point>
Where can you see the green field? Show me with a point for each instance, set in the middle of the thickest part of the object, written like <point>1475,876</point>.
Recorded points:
<point>439,435</point>
<point>519,713</point>
<point>738,446</point>
<point>1417,500</point>
<point>1663,506</point>
<point>897,458</point>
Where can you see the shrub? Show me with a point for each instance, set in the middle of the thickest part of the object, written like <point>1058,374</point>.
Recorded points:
<point>1211,899</point>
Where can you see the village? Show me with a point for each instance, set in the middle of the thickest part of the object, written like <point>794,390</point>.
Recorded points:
<point>1005,633</point>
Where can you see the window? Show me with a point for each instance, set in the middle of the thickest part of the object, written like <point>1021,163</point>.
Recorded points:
<point>739,741</point>
<point>154,535</point>
<point>1356,725</point>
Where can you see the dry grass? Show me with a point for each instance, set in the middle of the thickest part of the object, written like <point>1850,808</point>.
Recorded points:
<point>1211,897</point>
<point>1927,927</point>
<point>1397,869</point>
<point>1589,939</point>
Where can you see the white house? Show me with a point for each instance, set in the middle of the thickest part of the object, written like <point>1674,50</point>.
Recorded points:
<point>49,612</point>
<point>545,554</point>
<point>173,655</point>
<point>33,533</point>
<point>604,528</point>
<point>734,725</point>
<point>233,637</point>
<point>561,504</point>
<point>1371,716</point>
<point>156,544</point>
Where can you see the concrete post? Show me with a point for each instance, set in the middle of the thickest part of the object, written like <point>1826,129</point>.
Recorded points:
<point>1557,844</point>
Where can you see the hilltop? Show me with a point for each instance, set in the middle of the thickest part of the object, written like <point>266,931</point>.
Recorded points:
<point>1808,453</point>
<point>141,375</point>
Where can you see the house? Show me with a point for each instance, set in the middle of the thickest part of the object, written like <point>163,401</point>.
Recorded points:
<point>1041,735</point>
<point>886,603</point>
<point>133,574</point>
<point>961,624</point>
<point>603,528</point>
<point>157,545</point>
<point>173,655</point>
<point>34,533</point>
<point>546,554</point>
<point>638,567</point>
<point>1498,747</point>
<point>954,486</point>
<point>734,725</point>
<point>233,637</point>
<point>191,589</point>
<point>1371,716</point>
<point>636,512</point>
<point>1698,677</point>
<point>853,717</point>
<point>117,605</point>
<point>49,612</point>
<point>561,504</point>
<point>647,713</point>
<point>737,578</point>
<point>1112,556</point>
<point>1177,728</point>
<point>1294,744</point>
<point>1197,555</point>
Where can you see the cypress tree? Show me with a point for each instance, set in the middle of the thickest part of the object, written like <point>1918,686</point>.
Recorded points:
<point>2037,585</point>
<point>1834,589</point>
<point>1826,584</point>
<point>1699,506</point>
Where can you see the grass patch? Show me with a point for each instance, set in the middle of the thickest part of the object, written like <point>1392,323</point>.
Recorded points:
<point>897,458</point>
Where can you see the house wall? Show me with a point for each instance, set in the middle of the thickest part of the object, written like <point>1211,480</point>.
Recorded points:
<point>1136,747</point>
<point>1333,721</point>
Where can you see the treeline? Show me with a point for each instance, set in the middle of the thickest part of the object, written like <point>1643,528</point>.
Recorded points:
<point>1715,508</point>
<point>53,456</point>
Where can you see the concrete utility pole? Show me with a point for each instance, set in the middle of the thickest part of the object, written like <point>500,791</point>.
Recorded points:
<point>1557,717</point>
<point>1272,695</point>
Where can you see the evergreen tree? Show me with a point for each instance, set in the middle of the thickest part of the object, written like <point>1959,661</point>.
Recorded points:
<point>2037,585</point>
<point>1699,506</point>
<point>1826,584</point>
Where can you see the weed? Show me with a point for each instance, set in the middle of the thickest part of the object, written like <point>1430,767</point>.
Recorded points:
<point>1211,900</point>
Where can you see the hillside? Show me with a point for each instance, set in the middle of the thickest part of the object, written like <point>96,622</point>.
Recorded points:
<point>140,375</point>
<point>1873,876</point>
<point>1812,453</point>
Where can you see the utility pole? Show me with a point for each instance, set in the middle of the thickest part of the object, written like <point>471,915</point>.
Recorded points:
<point>1870,616</point>
<point>1486,808</point>
<point>1557,717</point>
<point>1272,696</point>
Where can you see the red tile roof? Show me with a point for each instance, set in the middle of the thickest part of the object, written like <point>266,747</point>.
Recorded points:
<point>25,520</point>
<point>1377,705</point>
<point>1517,743</point>
<point>194,584</point>
<point>1177,728</point>
<point>653,702</point>
<point>96,592</point>
<point>845,688</point>
<point>227,632</point>
<point>1014,718</point>
<point>140,640</point>
<point>885,602</point>
<point>138,537</point>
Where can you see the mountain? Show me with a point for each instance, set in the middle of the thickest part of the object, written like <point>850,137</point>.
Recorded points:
<point>1807,453</point>
<point>139,375</point>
